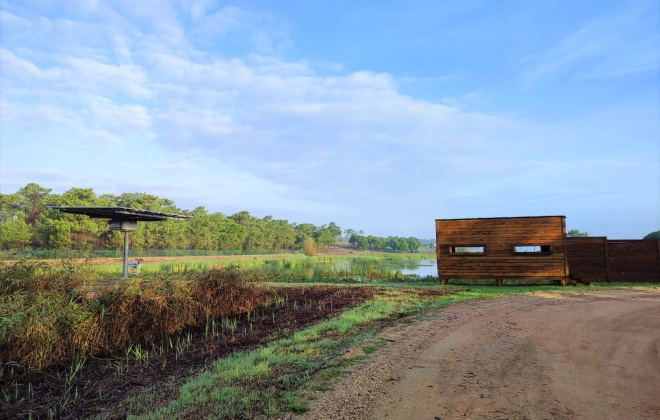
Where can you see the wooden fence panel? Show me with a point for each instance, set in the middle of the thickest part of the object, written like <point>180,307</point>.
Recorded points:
<point>633,260</point>
<point>587,258</point>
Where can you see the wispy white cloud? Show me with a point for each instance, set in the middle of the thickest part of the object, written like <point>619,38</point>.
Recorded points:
<point>616,43</point>
<point>141,98</point>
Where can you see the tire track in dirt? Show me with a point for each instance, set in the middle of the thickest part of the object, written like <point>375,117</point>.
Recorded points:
<point>562,355</point>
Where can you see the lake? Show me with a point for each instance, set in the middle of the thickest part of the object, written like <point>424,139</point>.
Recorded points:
<point>357,268</point>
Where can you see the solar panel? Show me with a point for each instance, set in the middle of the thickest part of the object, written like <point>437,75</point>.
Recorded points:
<point>119,213</point>
<point>121,218</point>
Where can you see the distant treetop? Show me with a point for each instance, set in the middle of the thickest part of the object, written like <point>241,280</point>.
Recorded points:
<point>653,235</point>
<point>574,233</point>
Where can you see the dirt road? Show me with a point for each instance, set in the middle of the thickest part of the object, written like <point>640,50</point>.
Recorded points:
<point>584,354</point>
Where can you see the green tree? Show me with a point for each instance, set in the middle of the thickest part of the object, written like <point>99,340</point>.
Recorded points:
<point>242,217</point>
<point>55,233</point>
<point>413,244</point>
<point>375,242</point>
<point>15,234</point>
<point>33,197</point>
<point>11,206</point>
<point>303,231</point>
<point>348,233</point>
<point>359,241</point>
<point>229,235</point>
<point>653,235</point>
<point>200,230</point>
<point>285,235</point>
<point>397,244</point>
<point>324,236</point>
<point>574,233</point>
<point>85,231</point>
<point>144,201</point>
<point>335,231</point>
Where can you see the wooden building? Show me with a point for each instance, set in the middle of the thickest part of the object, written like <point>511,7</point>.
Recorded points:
<point>531,248</point>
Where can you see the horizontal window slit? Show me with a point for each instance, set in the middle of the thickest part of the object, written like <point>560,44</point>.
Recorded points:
<point>532,249</point>
<point>467,249</point>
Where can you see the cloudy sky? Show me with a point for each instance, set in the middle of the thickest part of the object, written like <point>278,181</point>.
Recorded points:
<point>376,115</point>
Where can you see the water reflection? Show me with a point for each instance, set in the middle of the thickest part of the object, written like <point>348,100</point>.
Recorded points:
<point>422,268</point>
<point>357,268</point>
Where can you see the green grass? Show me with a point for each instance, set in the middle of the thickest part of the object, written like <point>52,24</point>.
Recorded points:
<point>351,361</point>
<point>371,348</point>
<point>270,378</point>
<point>330,373</point>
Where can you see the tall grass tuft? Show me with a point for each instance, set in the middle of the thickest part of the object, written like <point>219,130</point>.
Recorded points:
<point>49,319</point>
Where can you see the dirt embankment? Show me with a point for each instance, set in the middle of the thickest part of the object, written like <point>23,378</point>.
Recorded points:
<point>563,355</point>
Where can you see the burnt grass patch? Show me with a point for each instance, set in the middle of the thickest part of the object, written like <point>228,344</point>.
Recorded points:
<point>102,382</point>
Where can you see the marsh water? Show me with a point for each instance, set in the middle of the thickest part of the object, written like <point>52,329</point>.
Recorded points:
<point>358,269</point>
<point>333,269</point>
<point>420,268</point>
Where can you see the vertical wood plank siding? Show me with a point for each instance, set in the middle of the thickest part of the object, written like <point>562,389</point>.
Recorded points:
<point>633,260</point>
<point>587,258</point>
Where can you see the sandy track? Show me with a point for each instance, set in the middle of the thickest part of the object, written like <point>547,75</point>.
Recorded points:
<point>563,355</point>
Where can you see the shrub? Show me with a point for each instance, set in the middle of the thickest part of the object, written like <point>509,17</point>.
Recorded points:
<point>309,247</point>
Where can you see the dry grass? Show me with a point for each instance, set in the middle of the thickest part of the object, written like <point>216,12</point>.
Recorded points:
<point>48,318</point>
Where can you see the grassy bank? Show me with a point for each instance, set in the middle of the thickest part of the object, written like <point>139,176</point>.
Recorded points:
<point>267,380</point>
<point>276,378</point>
<point>273,379</point>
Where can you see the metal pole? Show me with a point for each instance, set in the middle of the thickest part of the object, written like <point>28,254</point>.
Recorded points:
<point>125,272</point>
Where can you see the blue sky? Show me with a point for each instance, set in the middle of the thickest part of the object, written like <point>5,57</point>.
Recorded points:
<point>378,116</point>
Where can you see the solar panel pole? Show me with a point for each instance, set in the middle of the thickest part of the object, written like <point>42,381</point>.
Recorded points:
<point>126,241</point>
<point>123,219</point>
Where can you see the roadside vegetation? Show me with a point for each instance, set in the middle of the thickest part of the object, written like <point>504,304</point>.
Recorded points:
<point>187,339</point>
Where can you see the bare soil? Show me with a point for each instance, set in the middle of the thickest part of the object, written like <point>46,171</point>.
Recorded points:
<point>587,354</point>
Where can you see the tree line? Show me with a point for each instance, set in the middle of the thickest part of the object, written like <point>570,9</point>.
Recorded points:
<point>27,223</point>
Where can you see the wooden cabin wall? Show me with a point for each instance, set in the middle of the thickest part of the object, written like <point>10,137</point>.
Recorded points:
<point>633,260</point>
<point>499,236</point>
<point>587,258</point>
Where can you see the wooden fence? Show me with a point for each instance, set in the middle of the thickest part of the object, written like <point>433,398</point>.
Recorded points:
<point>536,248</point>
<point>600,259</point>
<point>587,258</point>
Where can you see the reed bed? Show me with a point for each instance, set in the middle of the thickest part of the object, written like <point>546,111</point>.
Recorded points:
<point>382,268</point>
<point>52,316</point>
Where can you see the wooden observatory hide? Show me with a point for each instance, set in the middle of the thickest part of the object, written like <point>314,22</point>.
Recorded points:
<point>531,248</point>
